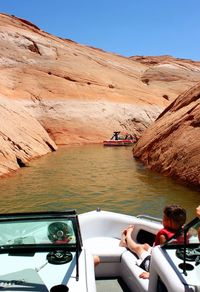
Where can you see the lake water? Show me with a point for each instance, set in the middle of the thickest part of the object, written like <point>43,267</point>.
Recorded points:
<point>87,177</point>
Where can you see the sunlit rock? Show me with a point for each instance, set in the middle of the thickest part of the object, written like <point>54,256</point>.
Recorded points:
<point>21,137</point>
<point>171,144</point>
<point>80,94</point>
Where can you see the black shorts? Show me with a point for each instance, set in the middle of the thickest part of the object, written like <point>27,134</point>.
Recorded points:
<point>145,265</point>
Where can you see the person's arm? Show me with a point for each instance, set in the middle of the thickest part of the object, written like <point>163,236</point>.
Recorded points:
<point>198,215</point>
<point>198,211</point>
<point>162,239</point>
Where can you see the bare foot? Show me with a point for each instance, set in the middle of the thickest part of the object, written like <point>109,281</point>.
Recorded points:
<point>129,229</point>
<point>144,275</point>
<point>123,241</point>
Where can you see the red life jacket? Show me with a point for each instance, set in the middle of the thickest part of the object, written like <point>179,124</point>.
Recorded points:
<point>167,234</point>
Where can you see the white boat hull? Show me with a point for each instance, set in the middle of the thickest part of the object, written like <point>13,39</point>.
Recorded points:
<point>101,234</point>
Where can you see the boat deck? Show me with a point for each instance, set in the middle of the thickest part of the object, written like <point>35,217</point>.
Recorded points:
<point>111,285</point>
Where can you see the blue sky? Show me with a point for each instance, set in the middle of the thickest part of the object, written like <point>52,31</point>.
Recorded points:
<point>125,27</point>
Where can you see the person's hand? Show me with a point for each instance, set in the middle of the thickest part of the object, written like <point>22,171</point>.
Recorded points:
<point>144,275</point>
<point>198,211</point>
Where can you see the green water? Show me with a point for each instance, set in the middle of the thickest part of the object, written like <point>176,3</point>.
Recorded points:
<point>87,177</point>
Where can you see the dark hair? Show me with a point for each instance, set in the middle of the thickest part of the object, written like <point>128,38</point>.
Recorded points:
<point>176,213</point>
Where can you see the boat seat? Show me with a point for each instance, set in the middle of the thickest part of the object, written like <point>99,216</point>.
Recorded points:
<point>106,248</point>
<point>131,271</point>
<point>116,260</point>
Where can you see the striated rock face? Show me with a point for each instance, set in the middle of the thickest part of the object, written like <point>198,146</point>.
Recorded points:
<point>21,137</point>
<point>171,144</point>
<point>170,74</point>
<point>81,94</point>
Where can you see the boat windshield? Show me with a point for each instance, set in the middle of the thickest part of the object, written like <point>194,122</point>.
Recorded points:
<point>39,231</point>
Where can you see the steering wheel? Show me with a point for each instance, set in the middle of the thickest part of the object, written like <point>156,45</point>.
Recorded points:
<point>59,232</point>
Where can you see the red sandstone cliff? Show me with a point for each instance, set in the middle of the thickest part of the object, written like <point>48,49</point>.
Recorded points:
<point>80,94</point>
<point>171,144</point>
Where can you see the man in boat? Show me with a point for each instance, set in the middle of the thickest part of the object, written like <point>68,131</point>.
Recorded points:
<point>174,217</point>
<point>115,136</point>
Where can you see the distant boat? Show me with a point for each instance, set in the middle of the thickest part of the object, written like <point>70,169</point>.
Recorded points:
<point>120,139</point>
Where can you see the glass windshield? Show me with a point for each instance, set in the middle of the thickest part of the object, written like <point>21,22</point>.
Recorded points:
<point>39,229</point>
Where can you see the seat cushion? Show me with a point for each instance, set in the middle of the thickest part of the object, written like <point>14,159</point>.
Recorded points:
<point>107,248</point>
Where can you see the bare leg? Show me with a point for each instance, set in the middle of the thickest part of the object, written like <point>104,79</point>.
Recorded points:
<point>134,246</point>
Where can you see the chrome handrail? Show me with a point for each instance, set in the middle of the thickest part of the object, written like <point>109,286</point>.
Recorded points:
<point>150,218</point>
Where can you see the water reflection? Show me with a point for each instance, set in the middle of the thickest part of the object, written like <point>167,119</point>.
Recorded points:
<point>87,177</point>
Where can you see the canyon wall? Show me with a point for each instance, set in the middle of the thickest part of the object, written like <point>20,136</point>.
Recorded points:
<point>77,94</point>
<point>171,144</point>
